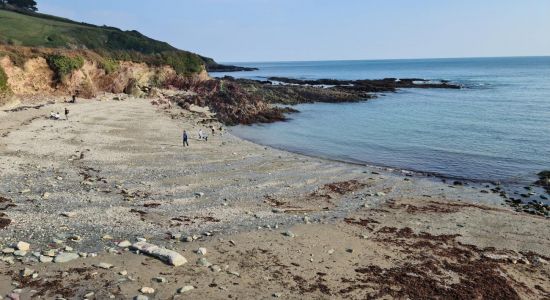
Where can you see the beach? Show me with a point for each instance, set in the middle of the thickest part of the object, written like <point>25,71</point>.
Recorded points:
<point>273,223</point>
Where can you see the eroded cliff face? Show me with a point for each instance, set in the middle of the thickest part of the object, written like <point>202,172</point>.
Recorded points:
<point>36,78</point>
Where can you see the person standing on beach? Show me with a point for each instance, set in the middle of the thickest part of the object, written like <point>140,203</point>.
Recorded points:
<point>185,138</point>
<point>66,114</point>
<point>201,134</point>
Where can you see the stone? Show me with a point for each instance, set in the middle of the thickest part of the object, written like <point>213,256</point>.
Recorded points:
<point>68,214</point>
<point>45,259</point>
<point>27,272</point>
<point>147,290</point>
<point>105,266</point>
<point>65,257</point>
<point>186,288</point>
<point>277,295</point>
<point>123,272</point>
<point>107,237</point>
<point>289,234</point>
<point>331,251</point>
<point>20,253</point>
<point>234,273</point>
<point>168,256</point>
<point>160,279</point>
<point>215,268</point>
<point>141,297</point>
<point>13,296</point>
<point>8,250</point>
<point>187,239</point>
<point>199,195</point>
<point>202,251</point>
<point>45,196</point>
<point>203,262</point>
<point>23,246</point>
<point>50,253</point>
<point>124,244</point>
<point>380,194</point>
<point>69,249</point>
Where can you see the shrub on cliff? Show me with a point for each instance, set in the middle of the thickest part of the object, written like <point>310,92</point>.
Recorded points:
<point>4,87</point>
<point>64,65</point>
<point>109,65</point>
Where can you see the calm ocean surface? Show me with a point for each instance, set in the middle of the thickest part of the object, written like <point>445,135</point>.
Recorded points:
<point>496,128</point>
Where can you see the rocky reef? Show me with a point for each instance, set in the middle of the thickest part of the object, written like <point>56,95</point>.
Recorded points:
<point>245,101</point>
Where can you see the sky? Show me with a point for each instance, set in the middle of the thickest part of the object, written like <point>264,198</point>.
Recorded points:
<point>300,30</point>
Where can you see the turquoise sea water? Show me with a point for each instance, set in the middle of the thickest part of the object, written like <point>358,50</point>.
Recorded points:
<point>496,128</point>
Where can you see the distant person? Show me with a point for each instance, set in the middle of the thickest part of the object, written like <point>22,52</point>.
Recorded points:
<point>185,138</point>
<point>73,100</point>
<point>201,134</point>
<point>66,114</point>
<point>213,130</point>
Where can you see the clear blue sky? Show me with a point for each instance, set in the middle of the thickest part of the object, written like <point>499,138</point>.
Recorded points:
<point>275,30</point>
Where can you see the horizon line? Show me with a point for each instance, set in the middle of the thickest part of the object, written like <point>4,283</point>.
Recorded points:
<point>385,59</point>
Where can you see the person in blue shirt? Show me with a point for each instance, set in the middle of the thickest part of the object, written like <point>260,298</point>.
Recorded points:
<point>185,138</point>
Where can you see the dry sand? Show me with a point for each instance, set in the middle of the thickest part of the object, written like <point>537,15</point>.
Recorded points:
<point>277,224</point>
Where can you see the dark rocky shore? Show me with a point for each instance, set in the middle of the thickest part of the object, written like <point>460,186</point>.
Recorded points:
<point>245,101</point>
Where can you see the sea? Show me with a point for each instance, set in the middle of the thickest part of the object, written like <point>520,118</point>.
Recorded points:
<point>496,128</point>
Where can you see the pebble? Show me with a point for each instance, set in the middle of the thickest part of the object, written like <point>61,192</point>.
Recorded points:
<point>45,259</point>
<point>147,290</point>
<point>331,251</point>
<point>160,279</point>
<point>124,244</point>
<point>186,288</point>
<point>277,295</point>
<point>123,272</point>
<point>20,253</point>
<point>199,194</point>
<point>141,297</point>
<point>380,194</point>
<point>203,262</point>
<point>187,239</point>
<point>8,250</point>
<point>201,251</point>
<point>50,253</point>
<point>289,234</point>
<point>68,214</point>
<point>27,272</point>
<point>105,266</point>
<point>23,246</point>
<point>215,268</point>
<point>107,237</point>
<point>65,257</point>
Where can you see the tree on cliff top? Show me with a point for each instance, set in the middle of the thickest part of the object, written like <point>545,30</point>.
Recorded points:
<point>23,4</point>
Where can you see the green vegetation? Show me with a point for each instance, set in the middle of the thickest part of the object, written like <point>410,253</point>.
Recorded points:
<point>64,65</point>
<point>31,29</point>
<point>109,65</point>
<point>4,88</point>
<point>21,4</point>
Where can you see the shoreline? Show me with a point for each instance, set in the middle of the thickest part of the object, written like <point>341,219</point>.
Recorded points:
<point>258,211</point>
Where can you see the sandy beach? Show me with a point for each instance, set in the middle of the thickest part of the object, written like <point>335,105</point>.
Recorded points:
<point>269,224</point>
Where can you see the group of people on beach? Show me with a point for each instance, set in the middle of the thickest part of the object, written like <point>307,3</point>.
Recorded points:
<point>57,115</point>
<point>202,136</point>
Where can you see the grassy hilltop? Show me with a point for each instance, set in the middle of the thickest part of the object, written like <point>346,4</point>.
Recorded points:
<point>31,29</point>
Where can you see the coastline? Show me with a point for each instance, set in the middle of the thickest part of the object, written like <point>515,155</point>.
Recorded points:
<point>112,160</point>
